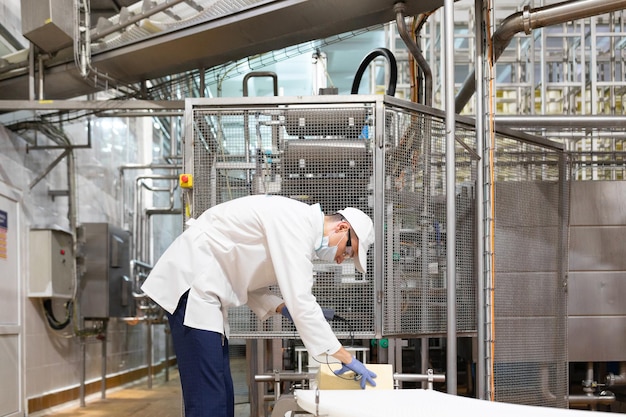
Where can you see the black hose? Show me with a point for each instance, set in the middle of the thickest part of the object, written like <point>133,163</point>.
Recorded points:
<point>52,321</point>
<point>350,329</point>
<point>384,52</point>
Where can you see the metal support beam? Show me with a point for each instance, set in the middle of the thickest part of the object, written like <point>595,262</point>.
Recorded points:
<point>451,348</point>
<point>98,105</point>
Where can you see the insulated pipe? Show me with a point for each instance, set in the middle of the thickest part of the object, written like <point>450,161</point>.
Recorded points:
<point>530,19</point>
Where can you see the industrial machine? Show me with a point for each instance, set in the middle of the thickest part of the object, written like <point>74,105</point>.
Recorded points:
<point>387,157</point>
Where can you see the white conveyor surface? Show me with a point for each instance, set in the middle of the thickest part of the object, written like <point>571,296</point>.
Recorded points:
<point>418,403</point>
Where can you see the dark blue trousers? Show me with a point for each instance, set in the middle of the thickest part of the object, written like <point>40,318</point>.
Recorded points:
<point>204,368</point>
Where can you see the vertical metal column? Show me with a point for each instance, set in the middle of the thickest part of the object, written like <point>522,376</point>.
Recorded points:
<point>451,350</point>
<point>480,207</point>
<point>83,369</point>
<point>379,214</point>
<point>255,397</point>
<point>149,359</point>
<point>103,367</point>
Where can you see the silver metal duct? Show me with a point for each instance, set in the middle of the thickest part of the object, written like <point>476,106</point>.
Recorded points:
<point>529,19</point>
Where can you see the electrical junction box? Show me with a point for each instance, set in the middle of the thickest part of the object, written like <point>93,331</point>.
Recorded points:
<point>105,288</point>
<point>52,264</point>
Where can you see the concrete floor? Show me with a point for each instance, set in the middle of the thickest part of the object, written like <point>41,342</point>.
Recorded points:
<point>163,400</point>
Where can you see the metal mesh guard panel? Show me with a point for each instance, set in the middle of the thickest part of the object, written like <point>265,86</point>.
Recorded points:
<point>415,222</point>
<point>530,327</point>
<point>312,153</point>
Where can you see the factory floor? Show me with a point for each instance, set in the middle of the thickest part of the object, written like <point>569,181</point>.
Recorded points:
<point>164,399</point>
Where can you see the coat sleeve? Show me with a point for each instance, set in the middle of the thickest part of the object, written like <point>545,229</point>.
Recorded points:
<point>290,249</point>
<point>263,303</point>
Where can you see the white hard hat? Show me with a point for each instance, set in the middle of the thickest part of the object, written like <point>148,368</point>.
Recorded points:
<point>364,229</point>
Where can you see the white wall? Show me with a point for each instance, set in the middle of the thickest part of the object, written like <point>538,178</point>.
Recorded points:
<point>52,358</point>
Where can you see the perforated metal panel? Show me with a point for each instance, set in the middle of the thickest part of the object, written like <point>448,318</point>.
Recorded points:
<point>530,325</point>
<point>365,152</point>
<point>415,224</point>
<point>316,153</point>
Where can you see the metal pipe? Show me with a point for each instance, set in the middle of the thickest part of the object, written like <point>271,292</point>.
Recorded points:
<point>284,376</point>
<point>123,168</point>
<point>48,169</point>
<point>529,19</point>
<point>164,113</point>
<point>31,73</point>
<point>399,9</point>
<point>138,201</point>
<point>604,398</point>
<point>96,34</point>
<point>427,378</point>
<point>588,388</point>
<point>425,357</point>
<point>166,330</point>
<point>150,368</point>
<point>40,77</point>
<point>83,370</point>
<point>419,377</point>
<point>426,217</point>
<point>103,383</point>
<point>451,349</point>
<point>593,400</point>
<point>577,121</point>
<point>615,380</point>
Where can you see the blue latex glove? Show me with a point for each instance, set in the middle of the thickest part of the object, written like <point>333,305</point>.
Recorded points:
<point>329,313</point>
<point>362,373</point>
<point>286,314</point>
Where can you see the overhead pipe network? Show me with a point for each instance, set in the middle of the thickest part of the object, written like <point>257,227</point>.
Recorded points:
<point>529,19</point>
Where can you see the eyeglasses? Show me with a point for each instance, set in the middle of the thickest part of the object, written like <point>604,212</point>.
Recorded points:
<point>348,252</point>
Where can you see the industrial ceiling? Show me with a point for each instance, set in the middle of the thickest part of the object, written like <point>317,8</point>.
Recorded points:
<point>135,41</point>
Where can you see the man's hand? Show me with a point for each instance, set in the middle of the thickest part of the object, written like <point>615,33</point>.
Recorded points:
<point>361,372</point>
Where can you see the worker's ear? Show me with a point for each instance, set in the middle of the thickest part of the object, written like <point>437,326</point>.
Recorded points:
<point>343,226</point>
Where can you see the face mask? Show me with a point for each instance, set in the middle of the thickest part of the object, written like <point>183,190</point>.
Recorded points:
<point>325,252</point>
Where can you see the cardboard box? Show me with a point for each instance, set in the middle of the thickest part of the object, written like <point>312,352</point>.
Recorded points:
<point>326,379</point>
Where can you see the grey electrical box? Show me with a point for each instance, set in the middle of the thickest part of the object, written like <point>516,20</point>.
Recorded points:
<point>52,266</point>
<point>49,24</point>
<point>105,288</point>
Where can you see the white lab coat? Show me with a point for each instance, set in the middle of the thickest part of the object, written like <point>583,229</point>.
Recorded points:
<point>233,252</point>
